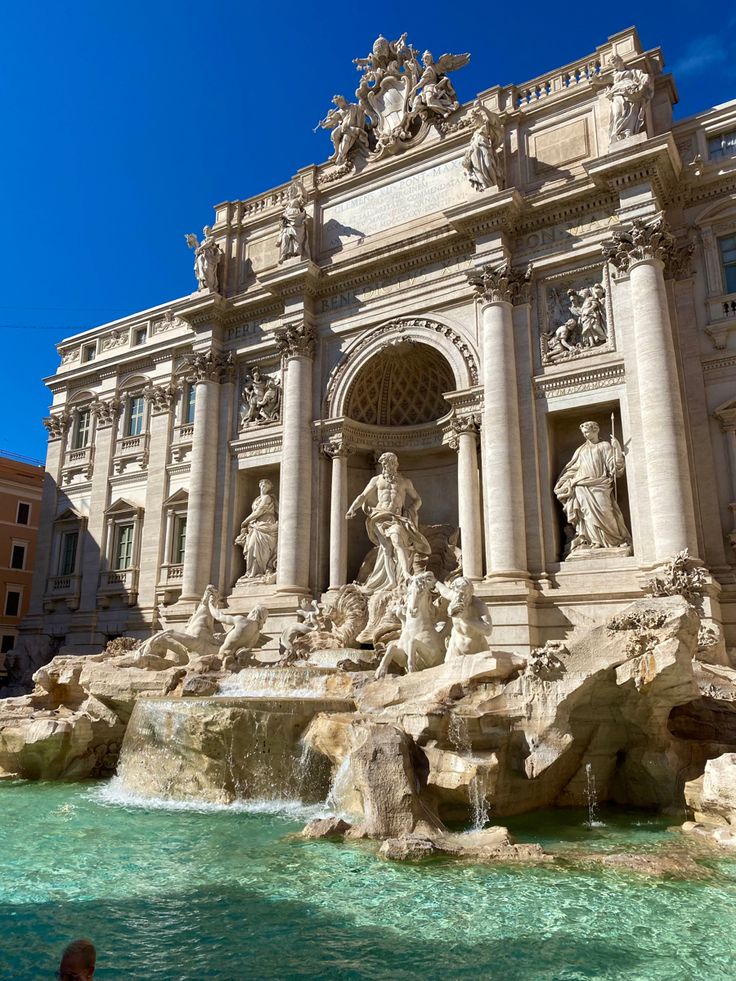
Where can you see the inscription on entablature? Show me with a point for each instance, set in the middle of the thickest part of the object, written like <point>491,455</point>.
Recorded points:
<point>250,329</point>
<point>566,231</point>
<point>406,199</point>
<point>387,284</point>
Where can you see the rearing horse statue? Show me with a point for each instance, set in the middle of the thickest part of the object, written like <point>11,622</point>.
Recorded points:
<point>421,644</point>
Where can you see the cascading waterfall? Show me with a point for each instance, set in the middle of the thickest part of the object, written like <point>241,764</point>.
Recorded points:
<point>592,799</point>
<point>457,730</point>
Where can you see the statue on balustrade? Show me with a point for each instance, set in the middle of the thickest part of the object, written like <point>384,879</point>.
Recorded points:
<point>294,237</point>
<point>391,505</point>
<point>207,258</point>
<point>629,94</point>
<point>483,160</point>
<point>586,488</point>
<point>259,535</point>
<point>349,126</point>
<point>260,401</point>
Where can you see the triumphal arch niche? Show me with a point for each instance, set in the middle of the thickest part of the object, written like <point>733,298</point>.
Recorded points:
<point>494,305</point>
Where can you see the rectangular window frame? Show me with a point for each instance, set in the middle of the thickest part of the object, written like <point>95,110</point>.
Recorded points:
<point>190,403</point>
<point>89,353</point>
<point>722,145</point>
<point>14,544</point>
<point>123,548</point>
<point>727,259</point>
<point>13,588</point>
<point>82,429</point>
<point>135,419</point>
<point>68,568</point>
<point>21,504</point>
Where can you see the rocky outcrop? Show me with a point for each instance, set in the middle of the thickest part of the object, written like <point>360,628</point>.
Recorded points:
<point>712,799</point>
<point>496,734</point>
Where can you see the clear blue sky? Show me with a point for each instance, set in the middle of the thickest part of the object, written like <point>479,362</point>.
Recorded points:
<point>125,123</point>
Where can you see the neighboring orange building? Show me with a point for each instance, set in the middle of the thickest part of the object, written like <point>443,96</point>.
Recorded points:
<point>21,484</point>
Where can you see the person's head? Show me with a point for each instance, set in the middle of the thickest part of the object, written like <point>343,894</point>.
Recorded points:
<point>618,62</point>
<point>389,463</point>
<point>427,58</point>
<point>590,430</point>
<point>259,613</point>
<point>78,961</point>
<point>340,101</point>
<point>265,486</point>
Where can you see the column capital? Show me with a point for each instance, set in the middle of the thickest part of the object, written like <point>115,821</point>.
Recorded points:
<point>207,366</point>
<point>647,240</point>
<point>106,411</point>
<point>463,425</point>
<point>57,425</point>
<point>296,340</point>
<point>336,447</point>
<point>160,397</point>
<point>727,419</point>
<point>501,283</point>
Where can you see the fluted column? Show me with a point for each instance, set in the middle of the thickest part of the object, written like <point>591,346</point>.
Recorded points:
<point>296,343</point>
<point>465,441</point>
<point>160,399</point>
<point>505,534</point>
<point>57,426</point>
<point>206,372</point>
<point>338,451</point>
<point>641,250</point>
<point>105,412</point>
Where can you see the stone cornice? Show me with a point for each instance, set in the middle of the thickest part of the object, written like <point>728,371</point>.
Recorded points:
<point>500,210</point>
<point>293,278</point>
<point>656,160</point>
<point>605,376</point>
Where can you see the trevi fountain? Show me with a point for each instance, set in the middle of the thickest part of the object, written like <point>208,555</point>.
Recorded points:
<point>388,621</point>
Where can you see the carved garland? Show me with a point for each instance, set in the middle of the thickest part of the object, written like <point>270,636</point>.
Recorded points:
<point>401,326</point>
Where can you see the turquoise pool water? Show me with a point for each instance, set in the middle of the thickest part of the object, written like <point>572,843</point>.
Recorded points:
<point>226,894</point>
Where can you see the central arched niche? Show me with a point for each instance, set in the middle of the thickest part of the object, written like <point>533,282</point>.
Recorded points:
<point>402,385</point>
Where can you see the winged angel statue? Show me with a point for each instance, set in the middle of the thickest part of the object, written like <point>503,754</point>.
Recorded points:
<point>397,92</point>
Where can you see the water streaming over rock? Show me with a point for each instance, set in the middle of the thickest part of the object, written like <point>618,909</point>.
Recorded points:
<point>459,736</point>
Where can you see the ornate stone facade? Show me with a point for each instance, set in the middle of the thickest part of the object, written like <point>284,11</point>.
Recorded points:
<point>462,284</point>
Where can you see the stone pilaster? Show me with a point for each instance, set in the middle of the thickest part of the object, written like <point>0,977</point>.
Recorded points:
<point>641,250</point>
<point>727,419</point>
<point>465,441</point>
<point>296,343</point>
<point>501,287</point>
<point>56,427</point>
<point>338,451</point>
<point>160,400</point>
<point>105,412</point>
<point>206,371</point>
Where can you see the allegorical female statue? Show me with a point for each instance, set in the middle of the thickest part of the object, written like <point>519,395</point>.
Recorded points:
<point>259,534</point>
<point>585,489</point>
<point>294,237</point>
<point>207,258</point>
<point>629,92</point>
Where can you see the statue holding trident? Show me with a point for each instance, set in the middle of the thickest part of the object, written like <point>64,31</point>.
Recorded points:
<point>391,504</point>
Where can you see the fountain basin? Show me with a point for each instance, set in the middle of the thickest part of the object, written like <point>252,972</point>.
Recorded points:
<point>221,749</point>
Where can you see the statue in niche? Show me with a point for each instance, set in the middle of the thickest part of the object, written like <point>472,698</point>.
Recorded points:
<point>586,489</point>
<point>584,327</point>
<point>483,160</point>
<point>391,505</point>
<point>260,402</point>
<point>434,90</point>
<point>471,622</point>
<point>349,127</point>
<point>259,535</point>
<point>294,237</point>
<point>207,258</point>
<point>242,636</point>
<point>629,94</point>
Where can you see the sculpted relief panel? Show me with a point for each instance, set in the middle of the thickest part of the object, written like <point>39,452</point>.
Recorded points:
<point>575,317</point>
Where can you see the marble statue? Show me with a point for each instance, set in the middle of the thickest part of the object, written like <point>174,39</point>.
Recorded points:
<point>391,505</point>
<point>310,617</point>
<point>349,124</point>
<point>433,89</point>
<point>585,328</point>
<point>260,401</point>
<point>243,634</point>
<point>421,644</point>
<point>483,160</point>
<point>629,93</point>
<point>196,639</point>
<point>471,622</point>
<point>585,489</point>
<point>207,258</point>
<point>294,237</point>
<point>259,535</point>
<point>589,308</point>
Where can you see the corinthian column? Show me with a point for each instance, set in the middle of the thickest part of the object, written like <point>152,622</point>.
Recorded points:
<point>296,343</point>
<point>465,441</point>
<point>641,250</point>
<point>338,451</point>
<point>503,494</point>
<point>206,371</point>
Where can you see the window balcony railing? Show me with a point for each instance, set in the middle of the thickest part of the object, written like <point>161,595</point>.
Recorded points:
<point>181,444</point>
<point>721,317</point>
<point>78,461</point>
<point>131,449</point>
<point>64,589</point>
<point>122,582</point>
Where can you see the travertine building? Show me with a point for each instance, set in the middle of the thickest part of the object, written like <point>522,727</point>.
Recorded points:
<point>461,285</point>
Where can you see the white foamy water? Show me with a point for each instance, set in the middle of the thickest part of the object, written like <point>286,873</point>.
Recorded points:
<point>285,682</point>
<point>114,794</point>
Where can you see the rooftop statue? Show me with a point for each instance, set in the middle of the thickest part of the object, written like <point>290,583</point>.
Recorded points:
<point>629,93</point>
<point>207,258</point>
<point>396,93</point>
<point>294,237</point>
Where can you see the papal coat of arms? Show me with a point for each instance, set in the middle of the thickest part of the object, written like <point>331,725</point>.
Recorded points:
<point>399,95</point>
